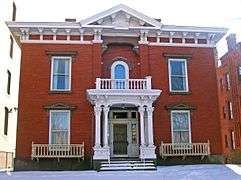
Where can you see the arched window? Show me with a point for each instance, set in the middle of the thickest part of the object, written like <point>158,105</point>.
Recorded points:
<point>120,72</point>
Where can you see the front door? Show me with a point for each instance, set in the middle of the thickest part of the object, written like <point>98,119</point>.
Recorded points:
<point>120,142</point>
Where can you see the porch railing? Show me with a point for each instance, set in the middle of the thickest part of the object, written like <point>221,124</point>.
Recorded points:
<point>184,149</point>
<point>57,151</point>
<point>130,84</point>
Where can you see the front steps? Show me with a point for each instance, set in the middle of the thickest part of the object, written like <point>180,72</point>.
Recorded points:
<point>127,165</point>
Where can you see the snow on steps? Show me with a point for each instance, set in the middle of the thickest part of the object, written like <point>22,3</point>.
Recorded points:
<point>116,165</point>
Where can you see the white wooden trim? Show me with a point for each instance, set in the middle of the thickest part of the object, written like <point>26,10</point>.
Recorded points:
<point>56,41</point>
<point>233,140</point>
<point>50,120</point>
<point>121,63</point>
<point>189,123</point>
<point>70,74</point>
<point>230,109</point>
<point>183,45</point>
<point>169,74</point>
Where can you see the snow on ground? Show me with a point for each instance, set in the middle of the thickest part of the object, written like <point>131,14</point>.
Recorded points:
<point>187,172</point>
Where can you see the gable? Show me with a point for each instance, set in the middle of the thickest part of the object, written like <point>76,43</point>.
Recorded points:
<point>121,16</point>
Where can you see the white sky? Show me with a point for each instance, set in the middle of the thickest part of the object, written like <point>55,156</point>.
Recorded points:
<point>224,13</point>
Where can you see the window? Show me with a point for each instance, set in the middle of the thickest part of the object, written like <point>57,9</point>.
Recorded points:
<point>180,121</point>
<point>226,141</point>
<point>232,140</point>
<point>9,82</point>
<point>59,127</point>
<point>61,74</point>
<point>14,12</point>
<point>11,47</point>
<point>120,72</point>
<point>6,121</point>
<point>230,110</point>
<point>178,80</point>
<point>228,86</point>
<point>239,71</point>
<point>221,84</point>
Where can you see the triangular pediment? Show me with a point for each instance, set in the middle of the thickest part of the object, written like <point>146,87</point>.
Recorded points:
<point>121,16</point>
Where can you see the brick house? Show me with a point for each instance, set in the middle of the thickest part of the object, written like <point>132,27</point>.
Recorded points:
<point>123,83</point>
<point>229,81</point>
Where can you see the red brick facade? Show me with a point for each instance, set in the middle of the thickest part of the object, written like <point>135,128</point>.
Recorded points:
<point>88,64</point>
<point>230,64</point>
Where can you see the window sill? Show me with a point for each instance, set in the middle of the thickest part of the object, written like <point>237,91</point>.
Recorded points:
<point>60,92</point>
<point>180,93</point>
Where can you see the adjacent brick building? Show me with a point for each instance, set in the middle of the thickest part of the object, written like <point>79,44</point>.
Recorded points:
<point>121,82</point>
<point>229,85</point>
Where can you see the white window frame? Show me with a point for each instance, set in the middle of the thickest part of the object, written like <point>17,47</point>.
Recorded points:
<point>233,139</point>
<point>50,122</point>
<point>228,81</point>
<point>52,70</point>
<point>230,108</point>
<point>189,123</point>
<point>119,63</point>
<point>169,74</point>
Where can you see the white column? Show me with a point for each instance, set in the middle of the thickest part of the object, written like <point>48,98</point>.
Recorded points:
<point>106,112</point>
<point>141,110</point>
<point>150,125</point>
<point>97,125</point>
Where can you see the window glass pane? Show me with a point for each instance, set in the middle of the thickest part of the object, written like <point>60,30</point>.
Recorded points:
<point>61,66</point>
<point>180,127</point>
<point>178,83</point>
<point>178,68</point>
<point>59,120</point>
<point>178,75</point>
<point>119,72</point>
<point>61,72</point>
<point>180,121</point>
<point>59,137</point>
<point>59,127</point>
<point>181,137</point>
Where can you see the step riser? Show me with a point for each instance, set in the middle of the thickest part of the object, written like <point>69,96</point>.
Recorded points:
<point>127,165</point>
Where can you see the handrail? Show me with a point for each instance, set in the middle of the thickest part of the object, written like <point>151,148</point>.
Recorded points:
<point>130,84</point>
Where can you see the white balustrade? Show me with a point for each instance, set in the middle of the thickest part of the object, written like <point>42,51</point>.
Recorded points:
<point>57,151</point>
<point>130,84</point>
<point>184,149</point>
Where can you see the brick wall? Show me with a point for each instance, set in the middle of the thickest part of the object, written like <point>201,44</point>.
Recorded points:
<point>88,64</point>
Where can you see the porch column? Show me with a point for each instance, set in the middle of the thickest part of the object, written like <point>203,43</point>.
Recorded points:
<point>150,125</point>
<point>97,110</point>
<point>141,110</point>
<point>106,112</point>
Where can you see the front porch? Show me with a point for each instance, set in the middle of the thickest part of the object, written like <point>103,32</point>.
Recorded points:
<point>127,136</point>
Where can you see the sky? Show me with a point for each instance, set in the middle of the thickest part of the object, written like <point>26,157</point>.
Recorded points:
<point>217,13</point>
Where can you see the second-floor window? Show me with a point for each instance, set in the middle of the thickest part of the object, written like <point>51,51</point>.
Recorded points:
<point>61,74</point>
<point>230,110</point>
<point>228,85</point>
<point>9,82</point>
<point>119,72</point>
<point>11,47</point>
<point>178,80</point>
<point>239,70</point>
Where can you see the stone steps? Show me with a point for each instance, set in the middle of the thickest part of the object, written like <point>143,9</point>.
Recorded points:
<point>125,165</point>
